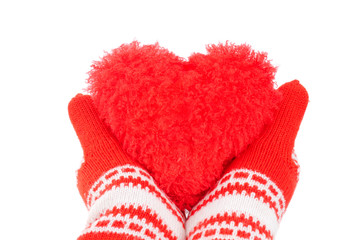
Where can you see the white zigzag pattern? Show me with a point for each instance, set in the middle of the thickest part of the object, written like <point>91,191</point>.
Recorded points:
<point>275,198</point>
<point>219,226</point>
<point>243,203</point>
<point>100,200</point>
<point>102,182</point>
<point>126,229</point>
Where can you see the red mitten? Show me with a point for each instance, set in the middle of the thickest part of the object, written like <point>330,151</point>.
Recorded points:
<point>250,199</point>
<point>123,200</point>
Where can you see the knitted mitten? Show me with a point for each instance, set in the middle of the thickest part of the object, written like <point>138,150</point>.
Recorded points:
<point>122,198</point>
<point>249,200</point>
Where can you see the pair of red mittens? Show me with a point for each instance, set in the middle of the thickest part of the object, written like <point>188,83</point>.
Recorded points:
<point>121,195</point>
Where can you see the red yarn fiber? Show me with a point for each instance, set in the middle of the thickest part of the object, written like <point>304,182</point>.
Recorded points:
<point>184,120</point>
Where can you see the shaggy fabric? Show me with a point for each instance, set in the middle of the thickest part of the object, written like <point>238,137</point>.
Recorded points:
<point>184,120</point>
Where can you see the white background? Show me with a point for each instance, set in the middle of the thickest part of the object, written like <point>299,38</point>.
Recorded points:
<point>47,47</point>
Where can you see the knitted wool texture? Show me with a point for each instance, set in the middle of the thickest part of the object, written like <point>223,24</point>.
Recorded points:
<point>248,202</point>
<point>184,120</point>
<point>123,200</point>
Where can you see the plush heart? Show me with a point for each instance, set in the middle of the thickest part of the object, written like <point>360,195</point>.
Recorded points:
<point>184,120</point>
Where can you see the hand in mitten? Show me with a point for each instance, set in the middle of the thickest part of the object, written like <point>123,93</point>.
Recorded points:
<point>123,200</point>
<point>250,199</point>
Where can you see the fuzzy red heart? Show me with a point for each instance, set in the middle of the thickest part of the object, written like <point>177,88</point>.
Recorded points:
<point>184,120</point>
